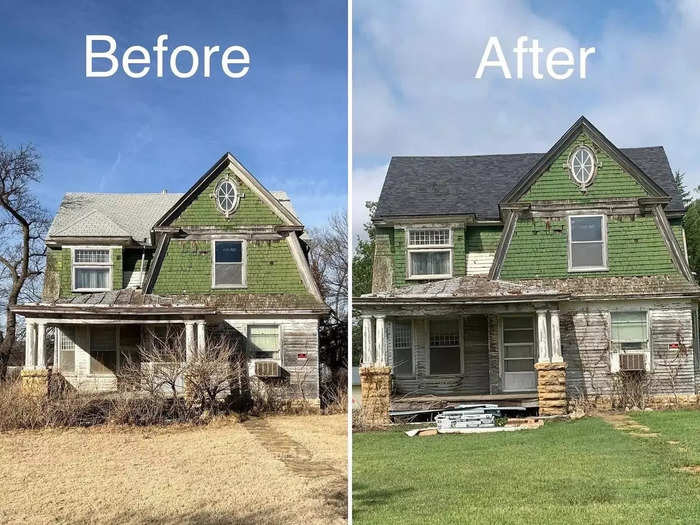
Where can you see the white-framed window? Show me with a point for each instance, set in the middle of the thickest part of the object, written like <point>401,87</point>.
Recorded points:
<point>226,196</point>
<point>629,336</point>
<point>264,342</point>
<point>402,331</point>
<point>429,253</point>
<point>582,166</point>
<point>228,264</point>
<point>65,340</point>
<point>445,348</point>
<point>518,343</point>
<point>588,251</point>
<point>92,269</point>
<point>104,341</point>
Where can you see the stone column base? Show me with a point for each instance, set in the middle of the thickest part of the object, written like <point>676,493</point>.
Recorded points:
<point>35,382</point>
<point>551,388</point>
<point>376,394</point>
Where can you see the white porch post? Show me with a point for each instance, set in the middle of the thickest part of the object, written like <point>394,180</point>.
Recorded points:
<point>29,338</point>
<point>201,337</point>
<point>542,337</point>
<point>380,343</point>
<point>367,341</point>
<point>189,340</point>
<point>556,338</point>
<point>41,345</point>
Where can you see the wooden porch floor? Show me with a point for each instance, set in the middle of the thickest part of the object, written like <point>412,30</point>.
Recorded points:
<point>441,402</point>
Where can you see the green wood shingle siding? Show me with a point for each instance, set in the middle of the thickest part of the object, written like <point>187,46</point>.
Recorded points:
<point>117,269</point>
<point>677,227</point>
<point>202,211</point>
<point>611,181</point>
<point>187,268</point>
<point>66,270</point>
<point>400,257</point>
<point>483,239</point>
<point>635,247</point>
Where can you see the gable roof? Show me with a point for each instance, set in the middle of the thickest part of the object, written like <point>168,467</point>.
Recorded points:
<point>110,214</point>
<point>477,184</point>
<point>228,160</point>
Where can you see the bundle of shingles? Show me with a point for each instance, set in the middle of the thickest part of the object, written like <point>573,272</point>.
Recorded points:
<point>468,419</point>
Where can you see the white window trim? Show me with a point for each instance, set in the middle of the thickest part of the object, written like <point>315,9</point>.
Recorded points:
<point>604,233</point>
<point>92,266</point>
<point>615,356</point>
<point>502,344</point>
<point>117,359</point>
<point>460,322</point>
<point>244,263</point>
<point>236,200</point>
<point>279,341</point>
<point>569,164</point>
<point>415,248</point>
<point>413,349</point>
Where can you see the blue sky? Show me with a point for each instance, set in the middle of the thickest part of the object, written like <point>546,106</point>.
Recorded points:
<point>286,120</point>
<point>414,91</point>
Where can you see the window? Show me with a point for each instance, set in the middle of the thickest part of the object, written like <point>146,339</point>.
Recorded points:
<point>518,344</point>
<point>92,269</point>
<point>226,196</point>
<point>66,348</point>
<point>429,254</point>
<point>403,348</point>
<point>445,348</point>
<point>587,243</point>
<point>582,165</point>
<point>103,350</point>
<point>264,342</point>
<point>229,264</point>
<point>630,341</point>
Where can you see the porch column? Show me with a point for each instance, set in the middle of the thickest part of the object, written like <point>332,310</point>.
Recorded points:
<point>367,341</point>
<point>189,340</point>
<point>542,337</point>
<point>556,338</point>
<point>29,338</point>
<point>380,342</point>
<point>201,337</point>
<point>41,345</point>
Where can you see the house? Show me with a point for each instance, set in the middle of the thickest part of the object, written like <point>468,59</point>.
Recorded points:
<point>535,279</point>
<point>226,257</point>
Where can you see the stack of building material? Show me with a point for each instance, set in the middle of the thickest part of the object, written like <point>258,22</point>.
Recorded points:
<point>468,416</point>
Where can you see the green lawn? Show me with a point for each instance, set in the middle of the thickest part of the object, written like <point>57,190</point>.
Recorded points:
<point>570,472</point>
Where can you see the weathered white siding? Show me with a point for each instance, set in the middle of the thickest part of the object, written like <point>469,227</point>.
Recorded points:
<point>479,263</point>
<point>82,379</point>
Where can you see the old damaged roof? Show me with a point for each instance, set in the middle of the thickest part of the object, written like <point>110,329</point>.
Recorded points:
<point>480,289</point>
<point>476,184</point>
<point>134,301</point>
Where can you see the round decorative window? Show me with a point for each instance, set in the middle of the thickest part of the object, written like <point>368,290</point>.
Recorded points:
<point>226,196</point>
<point>582,166</point>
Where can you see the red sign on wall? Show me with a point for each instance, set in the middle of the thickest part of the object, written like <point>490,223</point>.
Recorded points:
<point>673,346</point>
<point>301,356</point>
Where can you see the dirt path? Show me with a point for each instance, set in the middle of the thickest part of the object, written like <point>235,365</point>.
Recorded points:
<point>299,460</point>
<point>626,424</point>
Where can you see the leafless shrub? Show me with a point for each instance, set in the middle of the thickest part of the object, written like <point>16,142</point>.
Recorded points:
<point>334,398</point>
<point>630,389</point>
<point>673,364</point>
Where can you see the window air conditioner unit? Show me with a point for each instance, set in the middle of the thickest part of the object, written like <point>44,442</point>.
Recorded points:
<point>267,369</point>
<point>632,362</point>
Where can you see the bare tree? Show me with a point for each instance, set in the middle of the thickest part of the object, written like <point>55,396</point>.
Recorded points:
<point>328,256</point>
<point>23,224</point>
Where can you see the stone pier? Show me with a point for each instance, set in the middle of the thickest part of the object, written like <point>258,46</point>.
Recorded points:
<point>551,388</point>
<point>376,394</point>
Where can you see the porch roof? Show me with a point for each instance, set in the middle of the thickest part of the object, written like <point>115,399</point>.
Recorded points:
<point>132,301</point>
<point>479,289</point>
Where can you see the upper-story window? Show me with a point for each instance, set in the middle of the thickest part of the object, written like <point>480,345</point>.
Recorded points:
<point>92,269</point>
<point>588,243</point>
<point>229,265</point>
<point>226,196</point>
<point>429,253</point>
<point>582,165</point>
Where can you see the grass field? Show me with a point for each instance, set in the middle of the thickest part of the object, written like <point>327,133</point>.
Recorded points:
<point>569,472</point>
<point>222,473</point>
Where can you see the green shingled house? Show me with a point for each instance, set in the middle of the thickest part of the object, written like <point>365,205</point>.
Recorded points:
<point>226,256</point>
<point>534,279</point>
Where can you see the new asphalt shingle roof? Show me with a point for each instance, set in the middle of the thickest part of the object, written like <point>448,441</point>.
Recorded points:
<point>476,184</point>
<point>118,214</point>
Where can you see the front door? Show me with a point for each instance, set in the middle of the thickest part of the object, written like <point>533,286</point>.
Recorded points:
<point>518,336</point>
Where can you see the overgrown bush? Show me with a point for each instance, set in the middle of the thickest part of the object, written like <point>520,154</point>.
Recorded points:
<point>630,389</point>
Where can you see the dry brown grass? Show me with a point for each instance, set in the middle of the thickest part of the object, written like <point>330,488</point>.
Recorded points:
<point>177,474</point>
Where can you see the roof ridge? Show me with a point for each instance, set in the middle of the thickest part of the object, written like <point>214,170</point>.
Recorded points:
<point>481,155</point>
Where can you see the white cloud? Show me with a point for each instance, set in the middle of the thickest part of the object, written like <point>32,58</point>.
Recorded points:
<point>414,91</point>
<point>366,185</point>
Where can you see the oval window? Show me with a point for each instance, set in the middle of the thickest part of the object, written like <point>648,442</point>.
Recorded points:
<point>582,165</point>
<point>226,196</point>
